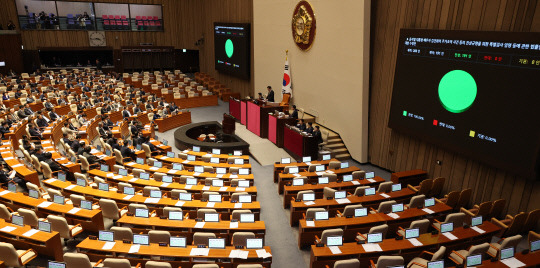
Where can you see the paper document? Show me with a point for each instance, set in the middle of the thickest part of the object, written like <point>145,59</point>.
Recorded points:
<point>108,245</point>
<point>179,203</point>
<point>233,176</point>
<point>74,210</point>
<point>335,250</point>
<point>31,233</point>
<point>51,180</point>
<point>199,252</point>
<point>237,205</point>
<point>188,186</point>
<point>134,248</point>
<point>393,215</point>
<point>130,163</point>
<point>127,197</point>
<point>355,182</point>
<point>117,177</point>
<point>223,189</point>
<point>372,247</point>
<point>110,175</point>
<point>261,253</point>
<point>44,204</point>
<point>185,162</point>
<point>219,175</point>
<point>372,180</point>
<point>238,254</point>
<point>210,204</point>
<point>319,173</point>
<point>415,242</point>
<point>450,236</point>
<point>513,262</point>
<point>206,188</point>
<point>154,168</point>
<point>385,195</point>
<point>16,166</point>
<point>239,189</point>
<point>4,192</point>
<point>133,180</point>
<point>478,229</point>
<point>297,175</point>
<point>8,229</point>
<point>152,200</point>
<point>196,173</point>
<point>165,184</point>
<point>309,203</point>
<point>343,200</point>
<point>233,225</point>
<point>199,224</point>
<point>70,187</point>
<point>427,210</point>
<point>172,171</point>
<point>310,223</point>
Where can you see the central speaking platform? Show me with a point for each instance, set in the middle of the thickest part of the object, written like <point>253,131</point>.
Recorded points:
<point>187,136</point>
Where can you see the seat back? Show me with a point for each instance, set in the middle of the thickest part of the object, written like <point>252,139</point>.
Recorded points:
<point>385,187</point>
<point>85,165</point>
<point>532,220</point>
<point>417,201</point>
<point>200,238</point>
<point>386,206</point>
<point>310,212</point>
<point>30,217</point>
<point>422,225</point>
<point>331,232</point>
<point>349,210</point>
<point>436,187</point>
<point>148,189</point>
<point>202,211</point>
<point>334,165</point>
<point>478,249</point>
<point>456,218</point>
<point>359,191</point>
<point>212,265</point>
<point>147,150</point>
<point>239,238</point>
<point>385,261</point>
<point>122,233</point>
<point>118,156</point>
<point>157,264</point>
<point>439,254</point>
<point>484,209</point>
<point>497,208</point>
<point>383,228</point>
<point>109,209</point>
<point>9,255</point>
<point>116,263</point>
<point>515,227</point>
<point>452,199</point>
<point>351,263</point>
<point>156,236</point>
<point>237,212</point>
<point>166,210</point>
<point>300,194</point>
<point>46,169</point>
<point>464,198</point>
<point>77,260</point>
<point>4,213</point>
<point>76,199</point>
<point>425,186</point>
<point>511,241</point>
<point>206,194</point>
<point>132,207</point>
<point>328,192</point>
<point>60,225</point>
<point>359,175</point>
<point>235,197</point>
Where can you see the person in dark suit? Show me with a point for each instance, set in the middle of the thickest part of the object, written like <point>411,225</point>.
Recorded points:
<point>300,125</point>
<point>7,176</point>
<point>137,110</point>
<point>134,130</point>
<point>66,140</point>
<point>53,115</point>
<point>76,144</point>
<point>317,135</point>
<point>270,96</point>
<point>27,109</point>
<point>41,122</point>
<point>107,122</point>
<point>21,114</point>
<point>147,142</point>
<point>92,159</point>
<point>309,129</point>
<point>34,131</point>
<point>126,152</point>
<point>102,130</point>
<point>126,113</point>
<point>4,128</point>
<point>294,112</point>
<point>53,165</point>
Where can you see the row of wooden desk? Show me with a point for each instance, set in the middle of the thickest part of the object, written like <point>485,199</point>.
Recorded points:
<point>284,179</point>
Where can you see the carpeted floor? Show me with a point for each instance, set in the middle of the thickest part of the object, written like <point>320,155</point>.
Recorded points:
<point>263,150</point>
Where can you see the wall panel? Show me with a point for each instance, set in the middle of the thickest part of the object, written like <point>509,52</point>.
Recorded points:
<point>397,152</point>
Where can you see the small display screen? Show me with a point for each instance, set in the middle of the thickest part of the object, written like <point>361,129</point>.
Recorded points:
<point>191,158</point>
<point>535,245</point>
<point>158,164</point>
<point>243,171</point>
<point>396,187</point>
<point>397,208</point>
<point>54,264</point>
<point>199,169</point>
<point>104,168</point>
<point>286,160</point>
<point>191,181</point>
<point>243,183</point>
<point>214,160</point>
<point>167,179</point>
<point>12,187</point>
<point>340,194</point>
<point>360,212</point>
<point>141,212</point>
<point>254,243</point>
<point>33,193</point>
<point>144,176</point>
<point>447,227</point>
<point>62,176</point>
<point>140,239</point>
<point>369,191</point>
<point>81,182</point>
<point>293,170</point>
<point>211,217</point>
<point>106,236</point>
<point>476,221</point>
<point>129,190</point>
<point>217,183</point>
<point>175,215</point>
<point>216,151</point>
<point>216,243</point>
<point>323,180</point>
<point>436,264</point>
<point>245,198</point>
<point>321,215</point>
<point>221,170</point>
<point>178,242</point>
<point>123,172</point>
<point>214,198</point>
<point>140,161</point>
<point>507,253</point>
<point>326,157</point>
<point>412,233</point>
<point>429,202</point>
<point>306,159</point>
<point>474,260</point>
<point>319,168</point>
<point>344,165</point>
<point>237,153</point>
<point>308,197</point>
<point>155,193</point>
<point>58,199</point>
<point>196,148</point>
<point>85,204</point>
<point>249,217</point>
<point>370,175</point>
<point>347,178</point>
<point>44,226</point>
<point>177,166</point>
<point>333,241</point>
<point>103,186</point>
<point>170,154</point>
<point>375,238</point>
<point>298,182</point>
<point>238,161</point>
<point>185,196</point>
<point>17,220</point>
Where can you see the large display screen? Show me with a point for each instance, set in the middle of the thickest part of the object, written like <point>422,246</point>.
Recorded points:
<point>476,93</point>
<point>232,42</point>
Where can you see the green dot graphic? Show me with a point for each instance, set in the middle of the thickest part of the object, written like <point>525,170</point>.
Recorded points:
<point>457,91</point>
<point>229,48</point>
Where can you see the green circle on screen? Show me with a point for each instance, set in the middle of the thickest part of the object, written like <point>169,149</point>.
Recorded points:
<point>457,91</point>
<point>229,48</point>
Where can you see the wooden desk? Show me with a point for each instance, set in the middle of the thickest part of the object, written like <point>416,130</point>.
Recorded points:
<point>43,243</point>
<point>531,259</point>
<point>187,228</point>
<point>90,220</point>
<point>175,256</point>
<point>173,121</point>
<point>412,177</point>
<point>13,162</point>
<point>283,179</point>
<point>234,108</point>
<point>192,164</point>
<point>276,125</point>
<point>372,201</point>
<point>225,208</point>
<point>222,157</point>
<point>299,145</point>
<point>200,101</point>
<point>292,191</point>
<point>257,118</point>
<point>351,226</point>
<point>321,256</point>
<point>278,167</point>
<point>139,184</point>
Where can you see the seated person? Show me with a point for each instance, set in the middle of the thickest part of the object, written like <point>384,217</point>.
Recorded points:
<point>92,159</point>
<point>41,122</point>
<point>309,129</point>
<point>300,125</point>
<point>127,152</point>
<point>53,165</point>
<point>34,131</point>
<point>4,129</point>
<point>7,176</point>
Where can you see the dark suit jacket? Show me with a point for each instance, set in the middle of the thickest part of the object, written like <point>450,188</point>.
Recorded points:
<point>34,133</point>
<point>309,130</point>
<point>125,114</point>
<point>42,122</point>
<point>294,114</point>
<point>318,137</point>
<point>53,116</point>
<point>270,96</point>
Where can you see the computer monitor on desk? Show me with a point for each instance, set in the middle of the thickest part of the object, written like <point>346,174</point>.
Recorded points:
<point>286,160</point>
<point>334,241</point>
<point>211,217</point>
<point>107,236</point>
<point>321,215</point>
<point>474,260</point>
<point>216,243</point>
<point>55,264</point>
<point>254,243</point>
<point>175,215</point>
<point>447,227</point>
<point>216,151</point>
<point>177,241</point>
<point>247,217</point>
<point>412,233</point>
<point>436,264</point>
<point>375,238</point>
<point>140,239</point>
<point>141,212</point>
<point>308,197</point>
<point>306,159</point>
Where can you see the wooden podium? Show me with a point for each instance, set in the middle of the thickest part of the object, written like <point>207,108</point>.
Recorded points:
<point>229,124</point>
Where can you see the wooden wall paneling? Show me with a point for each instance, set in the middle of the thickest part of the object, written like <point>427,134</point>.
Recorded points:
<point>396,151</point>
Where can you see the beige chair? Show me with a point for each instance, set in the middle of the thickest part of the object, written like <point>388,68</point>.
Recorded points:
<point>456,218</point>
<point>459,257</point>
<point>310,212</point>
<point>119,159</point>
<point>425,257</point>
<point>300,194</point>
<point>326,233</point>
<point>348,211</point>
<point>148,189</point>
<point>385,187</point>
<point>334,165</point>
<point>158,176</point>
<point>202,211</point>
<point>331,177</point>
<point>110,209</point>
<point>122,185</point>
<point>60,225</point>
<point>350,263</point>
<point>157,237</point>
<point>383,228</point>
<point>359,191</point>
<point>249,266</point>
<point>122,233</point>
<point>118,263</point>
<point>205,195</point>
<point>359,175</point>
<point>422,226</point>
<point>386,261</point>
<point>384,207</point>
<point>205,266</point>
<point>328,192</point>
<point>511,241</point>
<point>5,212</point>
<point>285,170</point>
<point>237,212</point>
<point>175,193</point>
<point>200,238</point>
<point>47,172</point>
<point>79,260</point>
<point>235,196</point>
<point>239,238</point>
<point>166,210</point>
<point>30,217</point>
<point>133,207</point>
<point>157,264</point>
<point>42,193</point>
<point>15,258</point>
<point>417,201</point>
<point>137,172</point>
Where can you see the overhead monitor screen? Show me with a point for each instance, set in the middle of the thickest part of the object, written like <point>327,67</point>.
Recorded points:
<point>232,42</point>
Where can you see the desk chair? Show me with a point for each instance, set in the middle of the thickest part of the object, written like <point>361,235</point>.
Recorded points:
<point>205,195</point>
<point>422,225</point>
<point>158,176</point>
<point>148,152</point>
<point>119,158</point>
<point>234,170</point>
<point>15,258</point>
<point>147,189</point>
<point>334,165</point>
<point>122,233</point>
<point>383,228</point>
<point>497,208</point>
<point>6,212</point>
<point>137,172</point>
<point>36,164</point>
<point>110,210</point>
<point>478,210</point>
<point>331,177</point>
<point>60,225</point>
<point>156,236</point>
<point>348,211</point>
<point>239,238</point>
<point>85,165</point>
<point>285,170</point>
<point>200,238</point>
<point>122,185</point>
<point>184,178</point>
<point>230,160</point>
<point>421,262</point>
<point>436,187</point>
<point>531,221</point>
<point>384,207</point>
<point>300,194</point>
<point>166,211</point>
<point>326,233</point>
<point>359,191</point>
<point>208,169</point>
<point>42,193</point>
<point>118,263</point>
<point>458,257</point>
<point>424,187</point>
<point>456,218</point>
<point>29,217</point>
<point>511,225</point>
<point>205,266</point>
<point>202,211</point>
<point>236,196</point>
<point>311,168</point>
<point>417,201</point>
<point>351,263</point>
<point>150,161</point>
<point>511,241</point>
<point>80,260</point>
<point>310,212</point>
<point>47,171</point>
<point>359,175</point>
<point>328,192</point>
<point>385,261</point>
<point>385,187</point>
<point>133,207</point>
<point>157,264</point>
<point>464,198</point>
<point>451,199</point>
<point>237,212</point>
<point>175,193</point>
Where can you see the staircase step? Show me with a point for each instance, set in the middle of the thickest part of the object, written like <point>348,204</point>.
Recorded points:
<point>335,146</point>
<point>339,151</point>
<point>342,157</point>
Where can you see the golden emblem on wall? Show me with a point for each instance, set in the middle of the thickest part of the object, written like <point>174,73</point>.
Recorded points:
<point>303,25</point>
